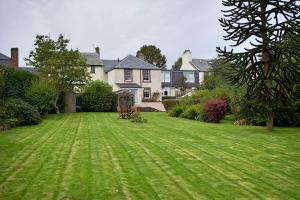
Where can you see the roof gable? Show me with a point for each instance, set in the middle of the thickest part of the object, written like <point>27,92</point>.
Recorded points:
<point>92,58</point>
<point>4,57</point>
<point>132,62</point>
<point>203,65</point>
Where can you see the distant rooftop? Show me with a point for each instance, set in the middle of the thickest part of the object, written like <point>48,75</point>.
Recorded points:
<point>203,65</point>
<point>92,58</point>
<point>129,62</point>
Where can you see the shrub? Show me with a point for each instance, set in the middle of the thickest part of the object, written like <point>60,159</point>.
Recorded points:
<point>168,97</point>
<point>215,110</point>
<point>25,113</point>
<point>42,95</point>
<point>241,122</point>
<point>14,83</point>
<point>97,97</point>
<point>138,119</point>
<point>192,112</point>
<point>169,104</point>
<point>176,111</point>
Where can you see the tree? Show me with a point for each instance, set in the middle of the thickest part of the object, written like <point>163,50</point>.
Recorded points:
<point>262,26</point>
<point>177,64</point>
<point>153,55</point>
<point>59,64</point>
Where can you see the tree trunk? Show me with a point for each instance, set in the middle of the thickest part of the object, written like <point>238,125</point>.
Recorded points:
<point>266,67</point>
<point>270,121</point>
<point>55,106</point>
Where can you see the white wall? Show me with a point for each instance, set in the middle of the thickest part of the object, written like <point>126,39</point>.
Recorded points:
<point>201,77</point>
<point>99,74</point>
<point>186,59</point>
<point>117,76</point>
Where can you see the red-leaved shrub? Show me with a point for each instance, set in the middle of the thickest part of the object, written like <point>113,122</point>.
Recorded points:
<point>215,110</point>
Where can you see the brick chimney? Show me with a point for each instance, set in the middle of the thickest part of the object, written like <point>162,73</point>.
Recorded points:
<point>14,58</point>
<point>97,50</point>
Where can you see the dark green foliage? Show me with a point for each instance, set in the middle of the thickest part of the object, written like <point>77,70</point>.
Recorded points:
<point>168,97</point>
<point>177,64</point>
<point>190,113</point>
<point>269,67</point>
<point>217,76</point>
<point>42,95</point>
<point>153,55</point>
<point>14,83</point>
<point>61,65</point>
<point>283,116</point>
<point>170,103</point>
<point>25,113</point>
<point>97,97</point>
<point>176,111</point>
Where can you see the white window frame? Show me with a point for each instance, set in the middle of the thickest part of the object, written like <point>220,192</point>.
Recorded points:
<point>126,77</point>
<point>146,72</point>
<point>147,90</point>
<point>165,74</point>
<point>190,77</point>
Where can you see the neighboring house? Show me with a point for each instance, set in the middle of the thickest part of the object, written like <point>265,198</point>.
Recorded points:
<point>131,73</point>
<point>190,75</point>
<point>4,60</point>
<point>174,83</point>
<point>13,61</point>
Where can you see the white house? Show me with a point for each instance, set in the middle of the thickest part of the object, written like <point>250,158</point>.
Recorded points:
<point>131,73</point>
<point>190,75</point>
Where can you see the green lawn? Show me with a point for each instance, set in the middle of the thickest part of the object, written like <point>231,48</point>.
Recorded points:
<point>98,156</point>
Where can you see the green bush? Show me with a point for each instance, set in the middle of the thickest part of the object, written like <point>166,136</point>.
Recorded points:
<point>169,104</point>
<point>25,113</point>
<point>97,97</point>
<point>42,95</point>
<point>176,111</point>
<point>14,83</point>
<point>192,112</point>
<point>138,119</point>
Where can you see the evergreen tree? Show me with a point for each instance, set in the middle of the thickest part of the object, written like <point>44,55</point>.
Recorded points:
<point>153,55</point>
<point>177,64</point>
<point>260,27</point>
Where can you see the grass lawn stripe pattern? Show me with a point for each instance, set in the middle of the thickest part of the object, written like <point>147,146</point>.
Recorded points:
<point>98,156</point>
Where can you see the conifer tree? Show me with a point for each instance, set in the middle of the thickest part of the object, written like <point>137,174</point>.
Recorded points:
<point>260,27</point>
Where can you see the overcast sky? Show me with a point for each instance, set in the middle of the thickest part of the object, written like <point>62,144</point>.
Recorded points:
<point>118,27</point>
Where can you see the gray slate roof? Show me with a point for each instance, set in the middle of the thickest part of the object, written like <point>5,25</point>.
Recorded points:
<point>5,60</point>
<point>109,64</point>
<point>128,85</point>
<point>92,58</point>
<point>203,65</point>
<point>131,62</point>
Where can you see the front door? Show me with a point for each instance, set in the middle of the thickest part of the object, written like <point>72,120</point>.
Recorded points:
<point>134,93</point>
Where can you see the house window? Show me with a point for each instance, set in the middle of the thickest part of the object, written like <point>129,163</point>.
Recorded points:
<point>93,70</point>
<point>146,75</point>
<point>189,76</point>
<point>147,93</point>
<point>166,76</point>
<point>166,93</point>
<point>127,75</point>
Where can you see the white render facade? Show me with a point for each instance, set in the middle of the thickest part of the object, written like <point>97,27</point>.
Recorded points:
<point>147,82</point>
<point>130,73</point>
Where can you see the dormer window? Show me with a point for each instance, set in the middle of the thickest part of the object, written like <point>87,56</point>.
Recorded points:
<point>127,75</point>
<point>146,75</point>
